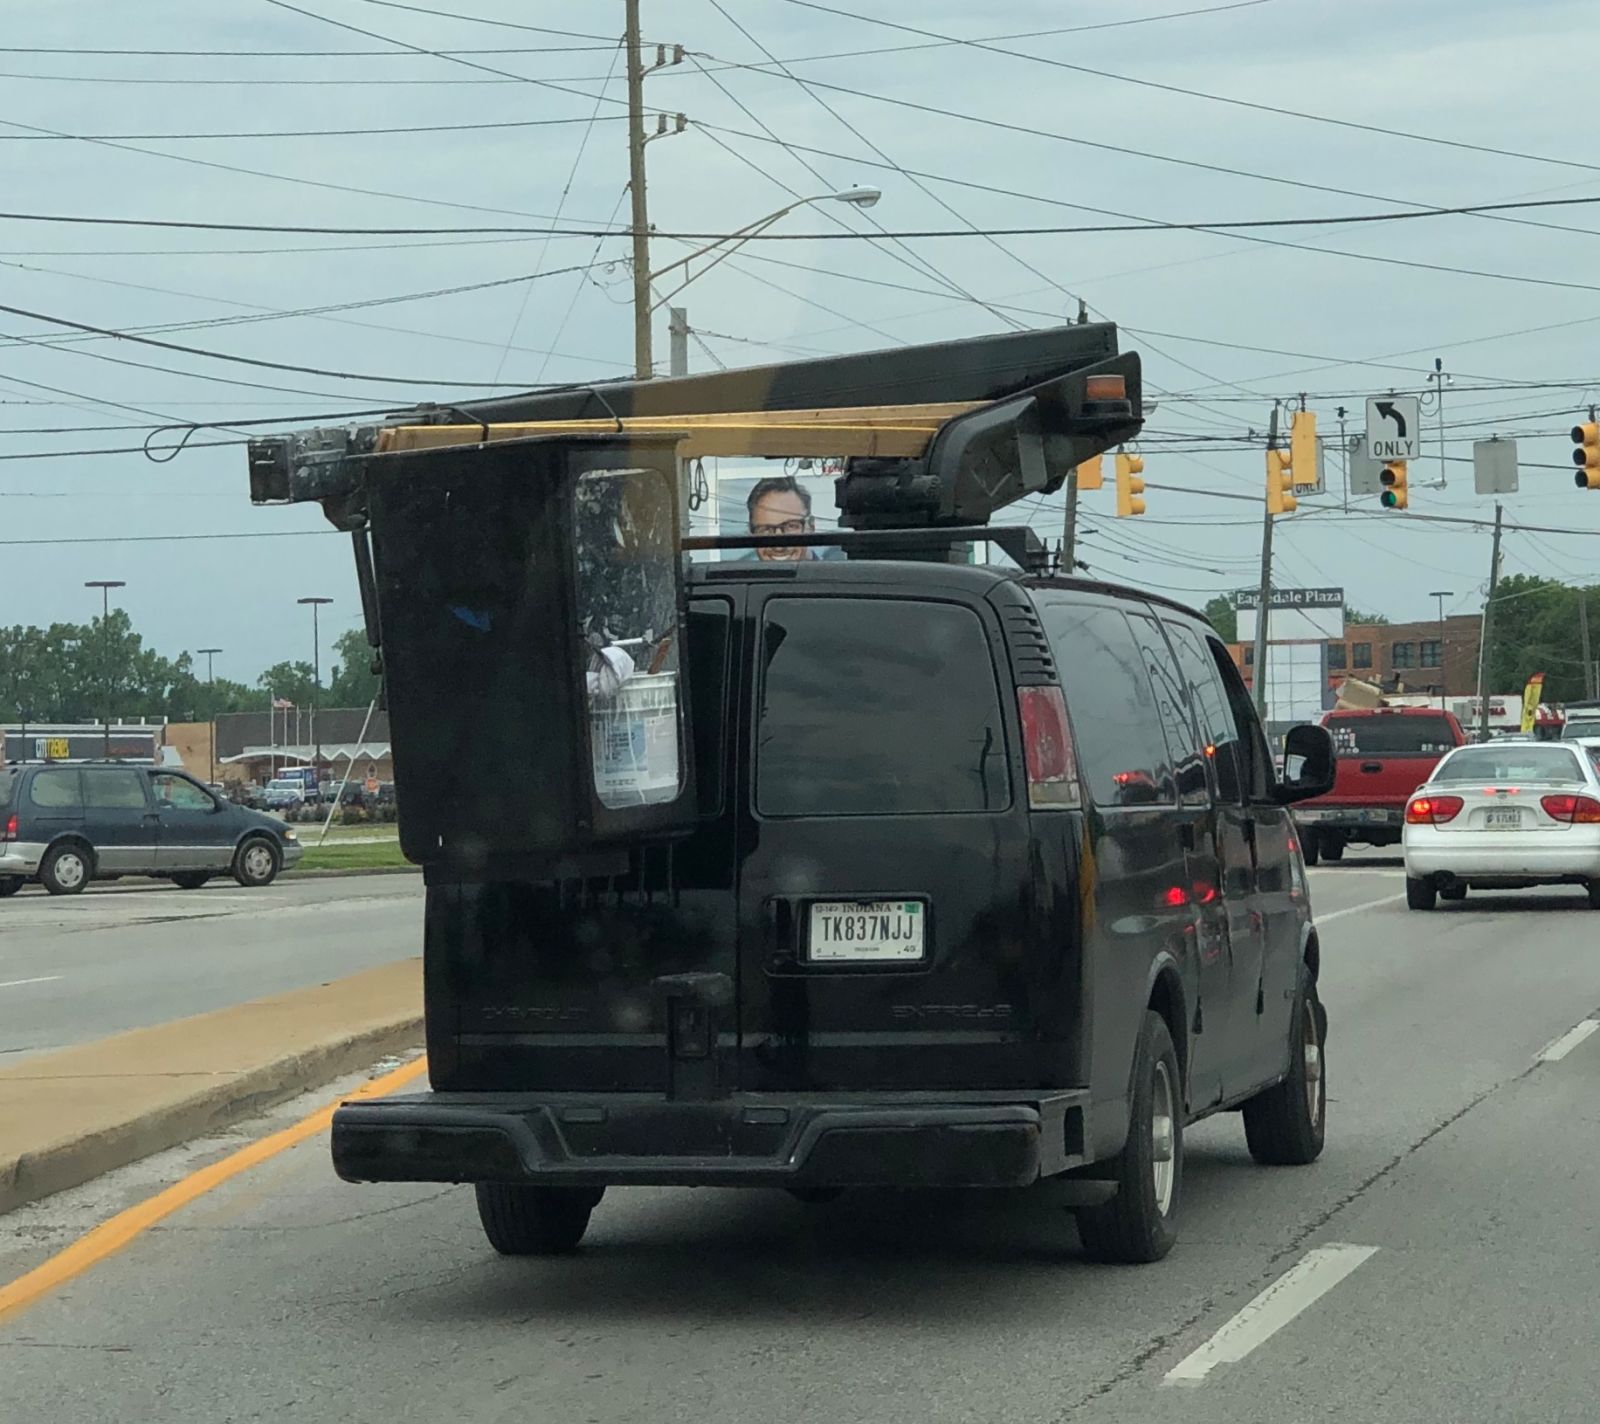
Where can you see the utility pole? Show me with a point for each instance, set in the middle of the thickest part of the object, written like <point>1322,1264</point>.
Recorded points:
<point>678,333</point>
<point>1260,678</point>
<point>1344,457</point>
<point>211,698</point>
<point>1069,531</point>
<point>1488,624</point>
<point>643,359</point>
<point>1583,633</point>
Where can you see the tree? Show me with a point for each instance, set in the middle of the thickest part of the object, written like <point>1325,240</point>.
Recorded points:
<point>1224,617</point>
<point>1534,627</point>
<point>353,683</point>
<point>1355,615</point>
<point>292,680</point>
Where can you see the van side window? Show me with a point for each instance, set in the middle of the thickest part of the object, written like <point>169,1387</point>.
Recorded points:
<point>1211,711</point>
<point>710,620</point>
<point>1252,740</point>
<point>119,788</point>
<point>56,790</point>
<point>1172,702</point>
<point>1116,723</point>
<point>877,707</point>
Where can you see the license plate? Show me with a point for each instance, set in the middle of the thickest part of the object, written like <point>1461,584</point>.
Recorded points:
<point>857,931</point>
<point>1503,820</point>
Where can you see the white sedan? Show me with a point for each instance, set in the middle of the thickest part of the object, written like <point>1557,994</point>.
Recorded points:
<point>1501,816</point>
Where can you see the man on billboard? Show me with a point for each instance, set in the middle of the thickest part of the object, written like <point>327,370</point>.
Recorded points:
<point>782,505</point>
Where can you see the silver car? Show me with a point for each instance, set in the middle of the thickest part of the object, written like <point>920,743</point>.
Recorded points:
<point>1503,816</point>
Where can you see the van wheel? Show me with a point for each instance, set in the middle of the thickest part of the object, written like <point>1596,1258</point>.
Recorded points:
<point>1458,891</point>
<point>1593,887</point>
<point>66,870</point>
<point>534,1221</point>
<point>190,879</point>
<point>1333,848</point>
<point>1136,1225</point>
<point>1310,846</point>
<point>9,885</point>
<point>1284,1125</point>
<point>256,863</point>
<point>1420,894</point>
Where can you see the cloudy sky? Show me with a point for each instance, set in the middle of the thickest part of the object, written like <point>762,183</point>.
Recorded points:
<point>510,116</point>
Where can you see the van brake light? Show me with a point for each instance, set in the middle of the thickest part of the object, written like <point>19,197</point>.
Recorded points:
<point>9,832</point>
<point>1047,749</point>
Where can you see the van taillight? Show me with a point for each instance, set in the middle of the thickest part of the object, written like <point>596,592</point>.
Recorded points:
<point>1047,749</point>
<point>9,832</point>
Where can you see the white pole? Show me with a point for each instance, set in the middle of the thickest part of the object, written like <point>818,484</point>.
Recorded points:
<point>349,766</point>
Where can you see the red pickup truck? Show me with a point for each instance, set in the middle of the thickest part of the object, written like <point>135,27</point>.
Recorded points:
<point>1385,753</point>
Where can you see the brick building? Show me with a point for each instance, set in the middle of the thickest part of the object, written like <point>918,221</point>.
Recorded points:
<point>1400,657</point>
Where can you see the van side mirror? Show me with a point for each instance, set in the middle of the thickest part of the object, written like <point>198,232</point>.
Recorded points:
<point>1309,762</point>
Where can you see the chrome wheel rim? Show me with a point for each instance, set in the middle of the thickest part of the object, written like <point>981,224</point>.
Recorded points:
<point>257,862</point>
<point>1311,1055</point>
<point>1163,1137</point>
<point>70,870</point>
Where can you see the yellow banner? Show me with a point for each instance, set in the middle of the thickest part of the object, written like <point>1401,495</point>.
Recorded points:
<point>1530,700</point>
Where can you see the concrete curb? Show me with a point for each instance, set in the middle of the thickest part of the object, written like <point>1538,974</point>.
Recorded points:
<point>70,1116</point>
<point>354,870</point>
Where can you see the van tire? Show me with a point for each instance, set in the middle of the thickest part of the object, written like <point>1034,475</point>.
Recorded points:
<point>1458,891</point>
<point>190,879</point>
<point>1310,846</point>
<point>534,1221</point>
<point>9,885</point>
<point>1132,1228</point>
<point>1284,1126</point>
<point>1420,894</point>
<point>252,868</point>
<point>66,869</point>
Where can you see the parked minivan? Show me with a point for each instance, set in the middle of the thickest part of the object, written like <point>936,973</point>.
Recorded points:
<point>67,824</point>
<point>993,880</point>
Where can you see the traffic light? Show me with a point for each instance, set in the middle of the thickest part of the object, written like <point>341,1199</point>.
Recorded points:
<point>1129,485</point>
<point>1303,447</point>
<point>1587,455</point>
<point>1280,483</point>
<point>1090,476</point>
<point>1393,480</point>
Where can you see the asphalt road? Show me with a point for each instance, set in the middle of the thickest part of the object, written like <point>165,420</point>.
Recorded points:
<point>132,953</point>
<point>1439,1263</point>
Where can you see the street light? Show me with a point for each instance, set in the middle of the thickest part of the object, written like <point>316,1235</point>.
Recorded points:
<point>211,698</point>
<point>1441,594</point>
<point>316,678</point>
<point>855,197</point>
<point>105,586</point>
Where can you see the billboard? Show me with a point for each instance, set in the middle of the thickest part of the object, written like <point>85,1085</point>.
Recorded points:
<point>789,502</point>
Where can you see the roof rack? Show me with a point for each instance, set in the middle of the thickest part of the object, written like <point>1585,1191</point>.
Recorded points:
<point>935,436</point>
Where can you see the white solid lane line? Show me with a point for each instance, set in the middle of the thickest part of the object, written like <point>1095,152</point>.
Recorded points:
<point>1333,915</point>
<point>1311,1278</point>
<point>1555,1052</point>
<point>18,983</point>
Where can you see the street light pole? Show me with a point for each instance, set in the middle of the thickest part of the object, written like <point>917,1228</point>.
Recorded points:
<point>211,701</point>
<point>316,679</point>
<point>105,586</point>
<point>1441,594</point>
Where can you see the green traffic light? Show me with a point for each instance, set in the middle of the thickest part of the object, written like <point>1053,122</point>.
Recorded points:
<point>1388,499</point>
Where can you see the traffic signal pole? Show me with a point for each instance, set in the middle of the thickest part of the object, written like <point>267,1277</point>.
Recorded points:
<point>1259,682</point>
<point>1488,624</point>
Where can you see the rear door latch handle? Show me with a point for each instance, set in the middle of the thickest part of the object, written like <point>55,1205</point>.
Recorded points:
<point>1372,766</point>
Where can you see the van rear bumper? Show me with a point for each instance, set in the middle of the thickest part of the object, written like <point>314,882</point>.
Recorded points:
<point>948,1140</point>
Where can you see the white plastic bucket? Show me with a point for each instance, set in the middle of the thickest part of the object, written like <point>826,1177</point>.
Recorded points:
<point>634,737</point>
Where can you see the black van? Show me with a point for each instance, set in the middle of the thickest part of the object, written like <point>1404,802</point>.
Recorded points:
<point>993,881</point>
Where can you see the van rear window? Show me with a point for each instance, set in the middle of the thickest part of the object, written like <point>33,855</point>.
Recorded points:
<point>877,707</point>
<point>1379,735</point>
<point>7,779</point>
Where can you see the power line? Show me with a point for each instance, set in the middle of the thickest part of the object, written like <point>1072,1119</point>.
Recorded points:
<point>297,133</point>
<point>483,20</point>
<point>1200,93</point>
<point>282,53</point>
<point>166,538</point>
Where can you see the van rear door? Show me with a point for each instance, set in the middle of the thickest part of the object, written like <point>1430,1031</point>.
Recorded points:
<point>884,915</point>
<point>556,985</point>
